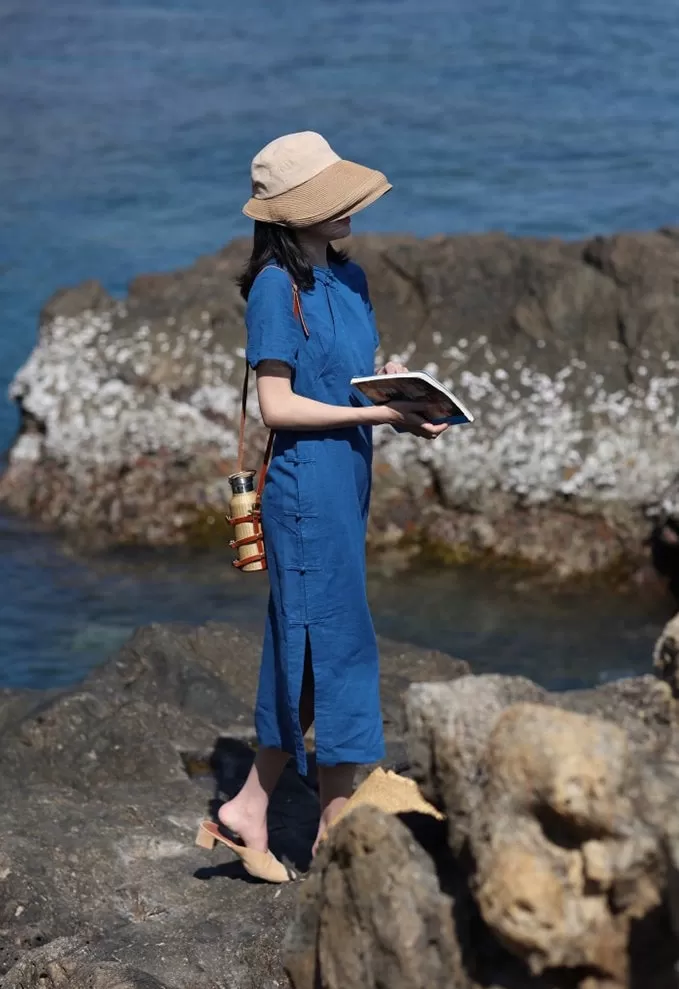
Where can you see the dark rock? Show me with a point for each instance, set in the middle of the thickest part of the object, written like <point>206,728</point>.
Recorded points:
<point>563,351</point>
<point>639,265</point>
<point>70,303</point>
<point>102,788</point>
<point>164,693</point>
<point>62,964</point>
<point>121,869</point>
<point>372,914</point>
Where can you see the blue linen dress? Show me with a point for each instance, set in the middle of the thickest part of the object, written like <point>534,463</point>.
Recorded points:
<point>314,515</point>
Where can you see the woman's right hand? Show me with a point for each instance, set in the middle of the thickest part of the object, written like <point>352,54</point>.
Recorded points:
<point>408,417</point>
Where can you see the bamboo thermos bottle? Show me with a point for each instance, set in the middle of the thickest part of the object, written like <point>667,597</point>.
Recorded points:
<point>244,516</point>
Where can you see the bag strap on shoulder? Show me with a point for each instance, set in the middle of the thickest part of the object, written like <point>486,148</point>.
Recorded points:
<point>298,314</point>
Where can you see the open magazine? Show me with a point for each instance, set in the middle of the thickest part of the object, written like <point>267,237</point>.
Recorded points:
<point>415,386</point>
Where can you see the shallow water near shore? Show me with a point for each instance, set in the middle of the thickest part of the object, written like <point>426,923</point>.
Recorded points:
<point>81,610</point>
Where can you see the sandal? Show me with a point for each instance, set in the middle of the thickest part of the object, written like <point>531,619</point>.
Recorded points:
<point>261,865</point>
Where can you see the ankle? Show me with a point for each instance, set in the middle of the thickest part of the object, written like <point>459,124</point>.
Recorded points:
<point>331,811</point>
<point>245,809</point>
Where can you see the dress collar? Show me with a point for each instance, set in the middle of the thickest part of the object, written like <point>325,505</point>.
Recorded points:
<point>323,275</point>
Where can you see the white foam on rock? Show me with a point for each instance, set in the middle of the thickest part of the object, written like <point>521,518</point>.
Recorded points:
<point>92,417</point>
<point>535,440</point>
<point>105,398</point>
<point>28,448</point>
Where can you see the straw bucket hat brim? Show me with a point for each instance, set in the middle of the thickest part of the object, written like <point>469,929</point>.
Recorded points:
<point>336,191</point>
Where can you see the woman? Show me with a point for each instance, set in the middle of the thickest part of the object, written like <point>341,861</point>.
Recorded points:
<point>320,660</point>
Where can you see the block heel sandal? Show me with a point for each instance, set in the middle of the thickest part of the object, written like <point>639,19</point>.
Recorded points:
<point>261,865</point>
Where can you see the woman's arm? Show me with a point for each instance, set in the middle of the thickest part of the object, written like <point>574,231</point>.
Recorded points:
<point>282,409</point>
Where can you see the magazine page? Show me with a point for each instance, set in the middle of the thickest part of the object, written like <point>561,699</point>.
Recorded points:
<point>392,388</point>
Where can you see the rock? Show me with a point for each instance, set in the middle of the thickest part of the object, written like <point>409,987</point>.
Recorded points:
<point>642,706</point>
<point>563,351</point>
<point>543,837</point>
<point>400,666</point>
<point>70,303</point>
<point>558,863</point>
<point>62,965</point>
<point>561,816</point>
<point>372,914</point>
<point>666,655</point>
<point>102,788</point>
<point>556,867</point>
<point>448,727</point>
<point>165,693</point>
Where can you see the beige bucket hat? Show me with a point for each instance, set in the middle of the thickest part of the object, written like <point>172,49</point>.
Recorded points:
<point>298,180</point>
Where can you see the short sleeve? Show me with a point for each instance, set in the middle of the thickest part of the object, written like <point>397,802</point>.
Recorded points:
<point>273,331</point>
<point>362,285</point>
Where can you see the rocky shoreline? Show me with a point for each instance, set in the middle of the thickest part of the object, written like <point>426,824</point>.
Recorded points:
<point>564,351</point>
<point>555,869</point>
<point>102,788</point>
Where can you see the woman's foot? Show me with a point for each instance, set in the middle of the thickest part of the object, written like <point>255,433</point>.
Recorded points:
<point>327,817</point>
<point>249,825</point>
<point>246,813</point>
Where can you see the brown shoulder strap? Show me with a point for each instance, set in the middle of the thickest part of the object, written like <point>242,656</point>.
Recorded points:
<point>298,314</point>
<point>243,414</point>
<point>297,307</point>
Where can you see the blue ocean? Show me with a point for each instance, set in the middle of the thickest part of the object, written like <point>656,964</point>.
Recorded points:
<point>126,131</point>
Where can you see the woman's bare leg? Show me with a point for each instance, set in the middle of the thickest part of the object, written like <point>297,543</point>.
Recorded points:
<point>336,784</point>
<point>246,813</point>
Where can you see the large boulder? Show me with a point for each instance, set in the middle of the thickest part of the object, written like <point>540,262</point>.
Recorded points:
<point>557,866</point>
<point>564,351</point>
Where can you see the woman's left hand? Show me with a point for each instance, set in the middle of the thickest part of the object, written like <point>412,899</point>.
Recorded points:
<point>426,431</point>
<point>391,367</point>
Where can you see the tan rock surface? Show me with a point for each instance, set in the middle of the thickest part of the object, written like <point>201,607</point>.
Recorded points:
<point>560,855</point>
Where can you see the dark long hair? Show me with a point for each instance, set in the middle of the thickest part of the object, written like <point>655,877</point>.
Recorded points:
<point>274,244</point>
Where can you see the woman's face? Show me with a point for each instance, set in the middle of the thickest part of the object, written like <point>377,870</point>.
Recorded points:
<point>331,229</point>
